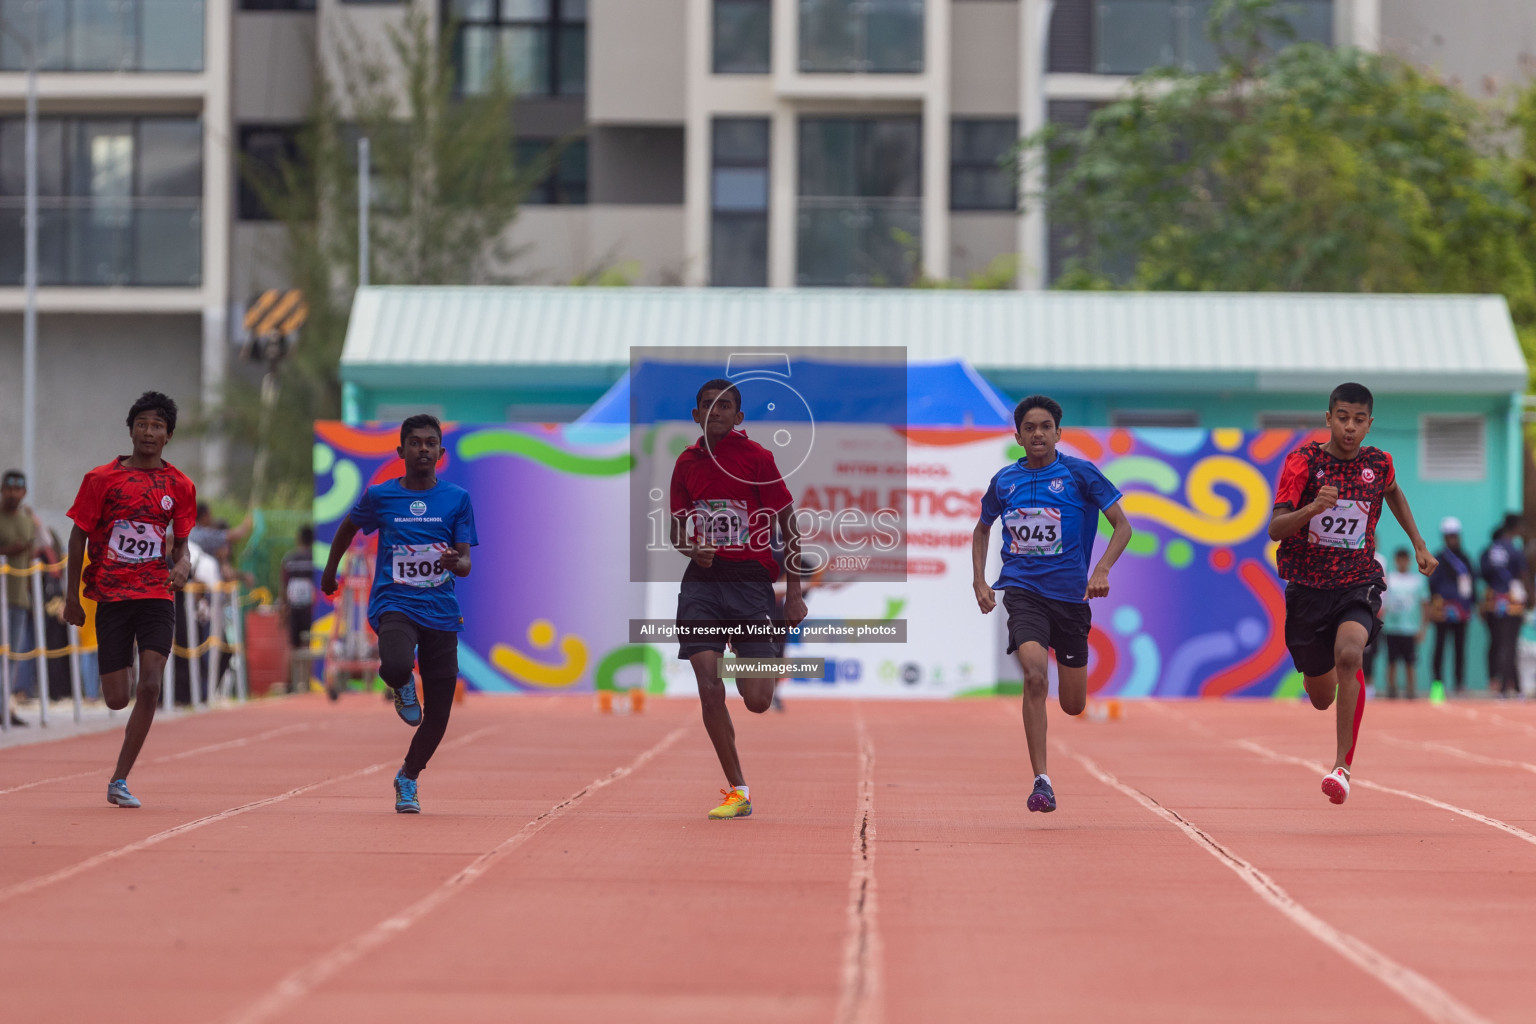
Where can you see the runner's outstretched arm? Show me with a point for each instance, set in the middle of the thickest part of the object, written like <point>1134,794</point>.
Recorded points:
<point>339,544</point>
<point>456,560</point>
<point>1098,583</point>
<point>981,538</point>
<point>1397,501</point>
<point>74,611</point>
<point>181,563</point>
<point>1284,520</point>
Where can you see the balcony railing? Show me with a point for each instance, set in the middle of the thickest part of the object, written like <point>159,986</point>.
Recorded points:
<point>1133,36</point>
<point>105,243</point>
<point>858,242</point>
<point>106,35</point>
<point>861,36</point>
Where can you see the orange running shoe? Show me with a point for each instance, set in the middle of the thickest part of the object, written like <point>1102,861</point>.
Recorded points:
<point>736,805</point>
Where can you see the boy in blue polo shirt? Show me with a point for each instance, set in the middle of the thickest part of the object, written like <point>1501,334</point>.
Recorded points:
<point>426,528</point>
<point>1050,505</point>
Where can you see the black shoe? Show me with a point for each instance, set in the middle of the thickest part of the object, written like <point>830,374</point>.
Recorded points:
<point>1043,798</point>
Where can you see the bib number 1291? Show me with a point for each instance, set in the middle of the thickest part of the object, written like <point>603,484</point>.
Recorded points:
<point>136,542</point>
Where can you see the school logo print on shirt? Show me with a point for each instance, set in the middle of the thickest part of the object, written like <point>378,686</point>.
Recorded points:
<point>1368,475</point>
<point>418,508</point>
<point>1056,487</point>
<point>166,502</point>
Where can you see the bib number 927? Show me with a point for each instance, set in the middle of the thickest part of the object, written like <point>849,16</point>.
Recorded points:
<point>1342,526</point>
<point>419,565</point>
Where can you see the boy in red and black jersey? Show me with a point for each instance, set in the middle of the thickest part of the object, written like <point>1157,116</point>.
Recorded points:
<point>727,497</point>
<point>134,514</point>
<point>1327,504</point>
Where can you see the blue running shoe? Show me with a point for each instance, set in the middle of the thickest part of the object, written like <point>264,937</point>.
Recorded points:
<point>117,793</point>
<point>407,706</point>
<point>405,796</point>
<point>1043,798</point>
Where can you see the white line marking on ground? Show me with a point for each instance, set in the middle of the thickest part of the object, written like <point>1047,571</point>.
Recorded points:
<point>1424,995</point>
<point>1494,717</point>
<point>1503,826</point>
<point>861,993</point>
<point>306,979</point>
<point>1457,752</point>
<point>63,874</point>
<point>227,745</point>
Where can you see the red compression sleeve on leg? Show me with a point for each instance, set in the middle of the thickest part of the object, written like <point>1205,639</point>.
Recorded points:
<point>1349,758</point>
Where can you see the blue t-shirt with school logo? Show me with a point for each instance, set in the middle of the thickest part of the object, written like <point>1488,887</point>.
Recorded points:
<point>415,528</point>
<point>1050,518</point>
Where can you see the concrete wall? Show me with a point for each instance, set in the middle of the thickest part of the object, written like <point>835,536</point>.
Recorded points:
<point>273,66</point>
<point>985,43</point>
<point>90,371</point>
<point>636,68</point>
<point>558,243</point>
<point>976,239</point>
<point>1482,45</point>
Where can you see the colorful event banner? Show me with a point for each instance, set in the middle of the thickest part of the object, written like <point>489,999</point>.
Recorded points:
<point>1195,608</point>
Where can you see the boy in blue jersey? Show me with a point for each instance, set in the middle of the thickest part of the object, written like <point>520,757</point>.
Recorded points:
<point>1050,506</point>
<point>426,528</point>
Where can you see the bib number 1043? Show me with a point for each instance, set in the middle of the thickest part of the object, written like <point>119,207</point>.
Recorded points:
<point>1343,526</point>
<point>1033,531</point>
<point>419,565</point>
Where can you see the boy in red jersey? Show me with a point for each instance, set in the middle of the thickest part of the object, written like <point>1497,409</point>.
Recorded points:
<point>125,511</point>
<point>1327,505</point>
<point>727,494</point>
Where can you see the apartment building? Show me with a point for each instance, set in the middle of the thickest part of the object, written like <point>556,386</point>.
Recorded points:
<point>717,142</point>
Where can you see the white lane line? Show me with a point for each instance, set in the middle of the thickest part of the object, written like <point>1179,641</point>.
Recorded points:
<point>1494,717</point>
<point>1457,752</point>
<point>861,994</point>
<point>1503,826</point>
<point>1418,991</point>
<point>64,874</point>
<point>227,745</point>
<point>306,979</point>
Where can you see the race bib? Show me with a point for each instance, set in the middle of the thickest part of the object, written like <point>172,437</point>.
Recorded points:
<point>301,591</point>
<point>1343,526</point>
<point>136,542</point>
<point>722,522</point>
<point>1033,531</point>
<point>419,565</point>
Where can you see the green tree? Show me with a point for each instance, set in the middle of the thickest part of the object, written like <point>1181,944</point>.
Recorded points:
<point>445,188</point>
<point>1290,168</point>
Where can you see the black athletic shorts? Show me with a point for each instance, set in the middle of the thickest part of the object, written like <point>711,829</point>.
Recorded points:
<point>437,650</point>
<point>735,610</point>
<point>1402,648</point>
<point>299,621</point>
<point>149,622</point>
<point>1061,626</point>
<point>1313,617</point>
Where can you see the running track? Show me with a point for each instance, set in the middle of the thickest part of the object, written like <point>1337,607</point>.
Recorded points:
<point>564,869</point>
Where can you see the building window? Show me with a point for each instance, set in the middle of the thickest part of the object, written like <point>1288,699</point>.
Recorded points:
<point>106,35</point>
<point>868,36</point>
<point>1132,36</point>
<point>860,201</point>
<point>539,45</point>
<point>1453,448</point>
<point>738,196</point>
<point>277,5</point>
<point>566,182</point>
<point>119,201</point>
<point>743,37</point>
<point>981,173</point>
<point>265,150</point>
<point>1155,418</point>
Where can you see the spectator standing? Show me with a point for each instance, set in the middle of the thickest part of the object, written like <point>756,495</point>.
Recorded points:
<point>1503,570</point>
<point>216,537</point>
<point>1404,612</point>
<point>18,542</point>
<point>298,605</point>
<point>1452,589</point>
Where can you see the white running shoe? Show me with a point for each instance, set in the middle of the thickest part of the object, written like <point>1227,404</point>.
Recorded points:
<point>1336,785</point>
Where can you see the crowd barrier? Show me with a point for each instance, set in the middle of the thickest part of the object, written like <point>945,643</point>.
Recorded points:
<point>221,597</point>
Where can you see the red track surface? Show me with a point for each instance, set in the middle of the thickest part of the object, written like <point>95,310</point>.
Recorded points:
<point>564,869</point>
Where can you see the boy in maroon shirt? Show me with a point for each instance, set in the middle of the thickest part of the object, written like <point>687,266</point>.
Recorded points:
<point>1327,504</point>
<point>135,513</point>
<point>727,495</point>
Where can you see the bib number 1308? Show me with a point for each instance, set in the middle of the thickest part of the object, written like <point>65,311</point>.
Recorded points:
<point>419,565</point>
<point>1034,531</point>
<point>1342,526</point>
